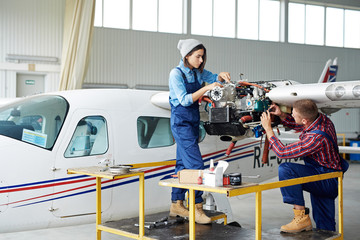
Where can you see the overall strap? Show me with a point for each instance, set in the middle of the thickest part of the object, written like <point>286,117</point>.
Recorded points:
<point>184,77</point>
<point>328,138</point>
<point>183,74</point>
<point>343,163</point>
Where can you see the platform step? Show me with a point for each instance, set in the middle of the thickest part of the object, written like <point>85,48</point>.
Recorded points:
<point>212,231</point>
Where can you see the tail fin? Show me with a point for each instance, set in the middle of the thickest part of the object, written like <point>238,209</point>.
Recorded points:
<point>330,71</point>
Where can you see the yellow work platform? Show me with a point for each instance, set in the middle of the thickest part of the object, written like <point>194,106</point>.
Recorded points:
<point>98,173</point>
<point>126,227</point>
<point>231,191</point>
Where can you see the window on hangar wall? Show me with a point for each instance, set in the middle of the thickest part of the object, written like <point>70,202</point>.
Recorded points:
<point>248,19</point>
<point>352,29</point>
<point>244,19</point>
<point>318,25</point>
<point>256,19</point>
<point>213,18</point>
<point>145,15</point>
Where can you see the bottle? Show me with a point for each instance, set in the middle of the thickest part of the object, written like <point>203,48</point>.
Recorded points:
<point>226,179</point>
<point>199,180</point>
<point>212,165</point>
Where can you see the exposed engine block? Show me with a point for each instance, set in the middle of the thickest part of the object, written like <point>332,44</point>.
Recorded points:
<point>235,109</point>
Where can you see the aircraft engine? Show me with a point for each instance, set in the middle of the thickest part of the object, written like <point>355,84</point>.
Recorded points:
<point>234,110</point>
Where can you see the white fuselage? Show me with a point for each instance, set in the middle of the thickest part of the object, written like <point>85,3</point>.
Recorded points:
<point>36,191</point>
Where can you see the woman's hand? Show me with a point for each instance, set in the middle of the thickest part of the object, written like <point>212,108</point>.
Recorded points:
<point>211,86</point>
<point>224,76</point>
<point>199,93</point>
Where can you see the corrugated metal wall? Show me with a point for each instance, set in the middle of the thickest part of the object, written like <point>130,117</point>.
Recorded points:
<point>31,27</point>
<point>146,58</point>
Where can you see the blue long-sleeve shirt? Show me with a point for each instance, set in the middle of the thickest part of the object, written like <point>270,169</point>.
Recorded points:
<point>178,94</point>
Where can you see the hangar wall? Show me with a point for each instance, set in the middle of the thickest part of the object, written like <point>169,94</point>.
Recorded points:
<point>146,58</point>
<point>32,28</point>
<point>125,58</point>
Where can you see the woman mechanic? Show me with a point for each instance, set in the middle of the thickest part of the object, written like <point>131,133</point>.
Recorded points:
<point>185,83</point>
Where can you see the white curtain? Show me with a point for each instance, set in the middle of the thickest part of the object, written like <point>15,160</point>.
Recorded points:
<point>78,29</point>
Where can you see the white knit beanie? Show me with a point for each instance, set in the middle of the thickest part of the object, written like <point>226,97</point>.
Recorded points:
<point>185,46</point>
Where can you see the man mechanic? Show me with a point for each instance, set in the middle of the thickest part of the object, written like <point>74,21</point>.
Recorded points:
<point>318,147</point>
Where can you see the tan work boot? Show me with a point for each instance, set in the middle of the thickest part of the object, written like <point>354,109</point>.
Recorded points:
<point>178,209</point>
<point>301,222</point>
<point>200,216</point>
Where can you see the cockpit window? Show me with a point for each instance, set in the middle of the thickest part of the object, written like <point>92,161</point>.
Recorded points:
<point>36,120</point>
<point>154,132</point>
<point>90,138</point>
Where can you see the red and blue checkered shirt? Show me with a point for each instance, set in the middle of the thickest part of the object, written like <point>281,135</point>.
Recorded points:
<point>313,145</point>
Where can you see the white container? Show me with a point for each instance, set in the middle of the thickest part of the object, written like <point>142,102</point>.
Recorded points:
<point>213,178</point>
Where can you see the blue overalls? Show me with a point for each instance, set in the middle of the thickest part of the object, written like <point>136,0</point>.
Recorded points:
<point>322,193</point>
<point>185,123</point>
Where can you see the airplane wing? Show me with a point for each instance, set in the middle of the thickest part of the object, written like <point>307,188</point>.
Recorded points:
<point>347,149</point>
<point>329,95</point>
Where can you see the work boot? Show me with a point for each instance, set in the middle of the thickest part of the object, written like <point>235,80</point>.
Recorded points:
<point>301,222</point>
<point>200,216</point>
<point>177,208</point>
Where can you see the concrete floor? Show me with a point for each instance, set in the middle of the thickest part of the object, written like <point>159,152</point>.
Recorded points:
<point>274,214</point>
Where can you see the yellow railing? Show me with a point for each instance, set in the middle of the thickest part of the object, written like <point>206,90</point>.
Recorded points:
<point>344,144</point>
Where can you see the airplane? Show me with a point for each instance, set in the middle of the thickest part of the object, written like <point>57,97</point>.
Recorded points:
<point>42,136</point>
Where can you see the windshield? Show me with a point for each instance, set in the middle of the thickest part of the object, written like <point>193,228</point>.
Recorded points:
<point>37,120</point>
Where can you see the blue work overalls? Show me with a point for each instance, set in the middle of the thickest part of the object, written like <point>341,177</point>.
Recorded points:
<point>185,129</point>
<point>322,193</point>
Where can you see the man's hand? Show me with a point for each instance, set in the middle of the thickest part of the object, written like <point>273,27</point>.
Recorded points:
<point>275,110</point>
<point>266,123</point>
<point>266,120</point>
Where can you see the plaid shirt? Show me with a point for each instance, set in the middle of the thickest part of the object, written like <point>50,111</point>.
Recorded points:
<point>313,145</point>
